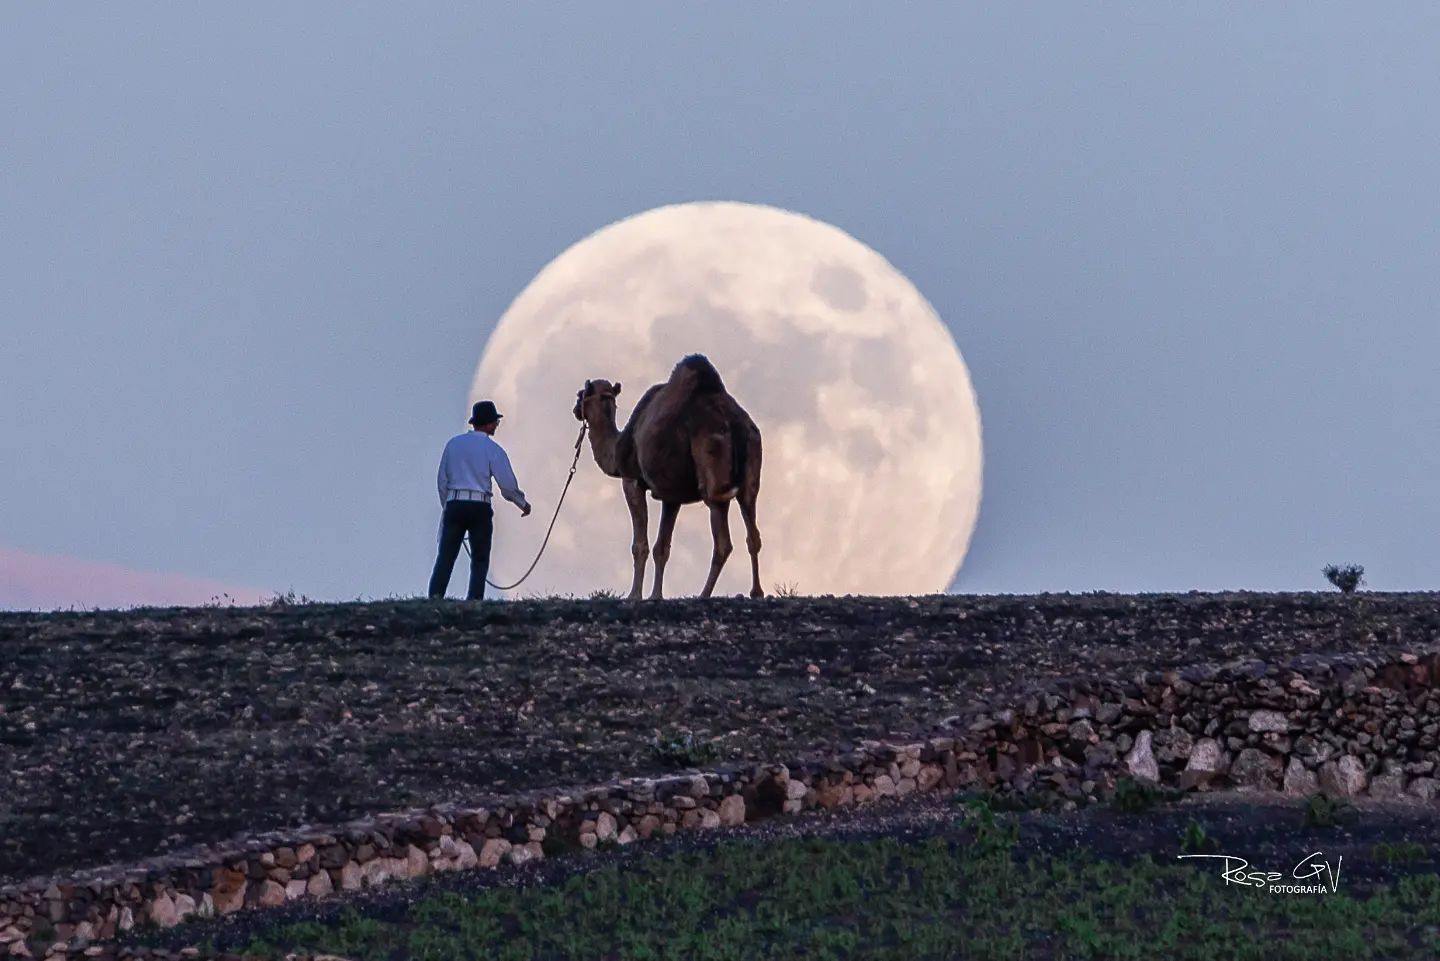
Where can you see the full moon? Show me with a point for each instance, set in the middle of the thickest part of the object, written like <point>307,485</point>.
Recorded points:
<point>871,471</point>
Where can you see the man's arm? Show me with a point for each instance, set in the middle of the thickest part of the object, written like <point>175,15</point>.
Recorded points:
<point>442,480</point>
<point>504,475</point>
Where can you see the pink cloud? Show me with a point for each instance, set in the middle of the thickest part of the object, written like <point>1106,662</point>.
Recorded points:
<point>46,582</point>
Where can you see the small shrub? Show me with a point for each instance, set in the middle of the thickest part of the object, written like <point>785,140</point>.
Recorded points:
<point>288,599</point>
<point>1347,578</point>
<point>1132,795</point>
<point>788,589</point>
<point>1401,852</point>
<point>993,800</point>
<point>994,836</point>
<point>1194,839</point>
<point>1324,811</point>
<point>682,749</point>
<point>603,595</point>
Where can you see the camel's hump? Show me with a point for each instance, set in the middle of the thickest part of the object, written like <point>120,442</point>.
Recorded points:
<point>707,378</point>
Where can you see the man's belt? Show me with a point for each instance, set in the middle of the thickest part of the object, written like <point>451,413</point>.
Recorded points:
<point>464,495</point>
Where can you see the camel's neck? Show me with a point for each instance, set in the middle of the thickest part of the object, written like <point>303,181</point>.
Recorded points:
<point>603,435</point>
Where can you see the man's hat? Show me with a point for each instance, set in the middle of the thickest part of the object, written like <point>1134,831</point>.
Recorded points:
<point>484,412</point>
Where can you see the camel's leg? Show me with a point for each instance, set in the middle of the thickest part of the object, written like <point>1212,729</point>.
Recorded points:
<point>639,524</point>
<point>668,512</point>
<point>752,539</point>
<point>720,534</point>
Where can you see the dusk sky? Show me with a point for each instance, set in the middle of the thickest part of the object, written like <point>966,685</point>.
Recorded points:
<point>251,254</point>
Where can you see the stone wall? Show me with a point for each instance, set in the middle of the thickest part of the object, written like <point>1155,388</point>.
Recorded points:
<point>1338,725</point>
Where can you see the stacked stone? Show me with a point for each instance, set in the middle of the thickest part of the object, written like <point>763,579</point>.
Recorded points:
<point>1344,727</point>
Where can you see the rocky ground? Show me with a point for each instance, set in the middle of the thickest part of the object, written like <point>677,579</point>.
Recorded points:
<point>124,734</point>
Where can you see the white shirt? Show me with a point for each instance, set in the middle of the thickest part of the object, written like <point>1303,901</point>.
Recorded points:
<point>470,460</point>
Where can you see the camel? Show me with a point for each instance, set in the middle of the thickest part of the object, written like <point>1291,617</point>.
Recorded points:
<point>686,441</point>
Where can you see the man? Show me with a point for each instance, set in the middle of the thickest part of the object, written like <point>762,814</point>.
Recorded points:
<point>469,461</point>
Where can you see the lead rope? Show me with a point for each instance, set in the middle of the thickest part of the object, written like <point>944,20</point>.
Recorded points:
<point>573,464</point>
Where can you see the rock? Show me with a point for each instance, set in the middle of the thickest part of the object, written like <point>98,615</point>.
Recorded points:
<point>647,825</point>
<point>708,819</point>
<point>627,836</point>
<point>496,848</point>
<point>229,891</point>
<point>587,840</point>
<point>1425,788</point>
<point>883,786</point>
<point>162,911</point>
<point>1207,761</point>
<point>1345,777</point>
<point>605,827</point>
<point>1299,781</point>
<point>830,796</point>
<point>1141,761</point>
<point>319,885</point>
<point>1082,732</point>
<point>349,877</point>
<point>929,776</point>
<point>905,787</point>
<point>272,895</point>
<point>334,857</point>
<point>304,853</point>
<point>796,790</point>
<point>416,863</point>
<point>519,854</point>
<point>1391,784</point>
<point>1265,720</point>
<point>295,890</point>
<point>376,871</point>
<point>1174,744</point>
<point>1253,768</point>
<point>732,810</point>
<point>465,856</point>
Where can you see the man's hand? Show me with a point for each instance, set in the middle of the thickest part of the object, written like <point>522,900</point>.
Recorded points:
<point>525,511</point>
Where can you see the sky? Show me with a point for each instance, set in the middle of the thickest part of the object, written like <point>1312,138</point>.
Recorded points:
<point>251,254</point>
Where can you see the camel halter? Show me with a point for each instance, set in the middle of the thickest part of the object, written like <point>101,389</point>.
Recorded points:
<point>573,464</point>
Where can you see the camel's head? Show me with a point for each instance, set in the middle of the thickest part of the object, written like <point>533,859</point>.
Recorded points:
<point>594,392</point>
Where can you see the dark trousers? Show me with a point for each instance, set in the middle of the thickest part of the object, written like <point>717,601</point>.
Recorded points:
<point>475,518</point>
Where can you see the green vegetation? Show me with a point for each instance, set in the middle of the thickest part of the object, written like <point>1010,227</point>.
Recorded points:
<point>682,749</point>
<point>965,892</point>
<point>1347,578</point>
<point>1401,852</point>
<point>1194,839</point>
<point>1133,796</point>
<point>1324,811</point>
